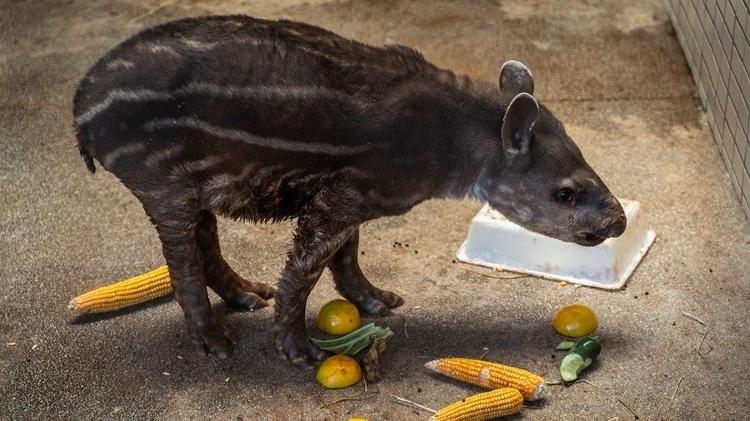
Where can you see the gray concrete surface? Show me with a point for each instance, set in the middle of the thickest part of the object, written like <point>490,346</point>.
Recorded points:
<point>614,73</point>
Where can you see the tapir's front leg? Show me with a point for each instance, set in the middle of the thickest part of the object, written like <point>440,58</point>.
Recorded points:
<point>318,236</point>
<point>354,286</point>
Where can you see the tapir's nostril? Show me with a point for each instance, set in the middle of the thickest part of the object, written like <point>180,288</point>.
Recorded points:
<point>618,227</point>
<point>590,237</point>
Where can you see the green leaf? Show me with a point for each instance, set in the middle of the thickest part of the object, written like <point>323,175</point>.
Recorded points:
<point>364,330</point>
<point>354,342</point>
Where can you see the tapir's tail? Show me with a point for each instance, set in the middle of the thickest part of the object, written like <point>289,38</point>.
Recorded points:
<point>87,158</point>
<point>81,135</point>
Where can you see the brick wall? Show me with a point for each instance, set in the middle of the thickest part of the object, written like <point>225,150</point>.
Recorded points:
<point>715,36</point>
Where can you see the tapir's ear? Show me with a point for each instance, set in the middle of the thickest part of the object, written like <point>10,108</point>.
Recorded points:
<point>515,78</point>
<point>517,124</point>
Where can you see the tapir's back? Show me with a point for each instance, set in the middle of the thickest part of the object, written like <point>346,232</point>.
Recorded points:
<point>242,52</point>
<point>293,89</point>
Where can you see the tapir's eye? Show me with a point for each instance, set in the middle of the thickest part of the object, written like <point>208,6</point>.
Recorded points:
<point>565,194</point>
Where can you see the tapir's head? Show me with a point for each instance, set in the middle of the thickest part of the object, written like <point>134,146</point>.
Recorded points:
<point>538,178</point>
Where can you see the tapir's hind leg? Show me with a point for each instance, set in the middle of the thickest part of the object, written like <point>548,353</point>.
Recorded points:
<point>237,292</point>
<point>175,217</point>
<point>354,286</point>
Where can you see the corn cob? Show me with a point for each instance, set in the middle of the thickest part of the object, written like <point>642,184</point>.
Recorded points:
<point>490,375</point>
<point>482,406</point>
<point>124,293</point>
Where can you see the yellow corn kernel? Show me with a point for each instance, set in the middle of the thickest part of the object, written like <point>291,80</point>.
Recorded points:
<point>490,375</point>
<point>482,406</point>
<point>125,293</point>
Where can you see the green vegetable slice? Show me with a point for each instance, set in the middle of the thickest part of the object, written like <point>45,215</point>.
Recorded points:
<point>588,347</point>
<point>565,345</point>
<point>570,366</point>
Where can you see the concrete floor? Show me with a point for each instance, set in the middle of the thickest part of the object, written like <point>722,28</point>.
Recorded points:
<point>611,70</point>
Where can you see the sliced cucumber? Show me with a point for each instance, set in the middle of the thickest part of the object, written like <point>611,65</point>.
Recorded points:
<point>580,356</point>
<point>565,345</point>
<point>588,347</point>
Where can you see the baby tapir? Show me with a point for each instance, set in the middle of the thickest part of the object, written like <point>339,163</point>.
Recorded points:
<point>269,120</point>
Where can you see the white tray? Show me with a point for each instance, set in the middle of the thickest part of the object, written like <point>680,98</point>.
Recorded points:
<point>495,242</point>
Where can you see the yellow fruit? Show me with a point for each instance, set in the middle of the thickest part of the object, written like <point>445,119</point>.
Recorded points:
<point>339,317</point>
<point>357,419</point>
<point>575,320</point>
<point>338,372</point>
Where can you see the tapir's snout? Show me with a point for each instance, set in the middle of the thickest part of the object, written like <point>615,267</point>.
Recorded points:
<point>615,225</point>
<point>612,225</point>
